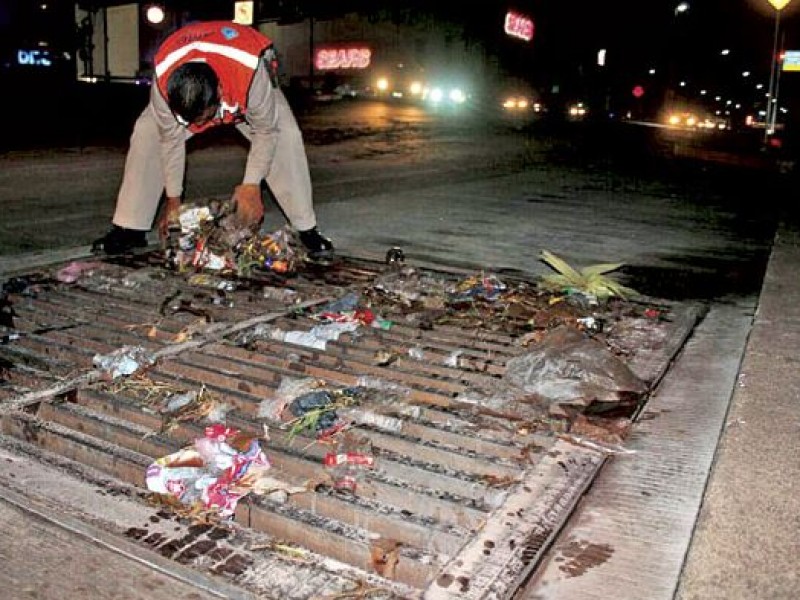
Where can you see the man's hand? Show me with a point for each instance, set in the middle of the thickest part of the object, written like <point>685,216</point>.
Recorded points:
<point>169,218</point>
<point>249,206</point>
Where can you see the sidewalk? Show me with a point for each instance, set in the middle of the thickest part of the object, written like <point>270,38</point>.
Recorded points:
<point>746,544</point>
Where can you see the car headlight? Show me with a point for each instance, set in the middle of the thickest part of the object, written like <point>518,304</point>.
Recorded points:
<point>436,95</point>
<point>457,95</point>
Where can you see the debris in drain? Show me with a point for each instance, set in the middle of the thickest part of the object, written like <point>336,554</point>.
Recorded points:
<point>385,554</point>
<point>316,411</point>
<point>212,240</point>
<point>123,361</point>
<point>174,403</point>
<point>75,270</point>
<point>479,287</point>
<point>395,256</point>
<point>215,472</point>
<point>565,373</point>
<point>567,366</point>
<point>353,455</point>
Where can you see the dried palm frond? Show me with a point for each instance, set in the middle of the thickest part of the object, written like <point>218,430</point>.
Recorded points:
<point>592,280</point>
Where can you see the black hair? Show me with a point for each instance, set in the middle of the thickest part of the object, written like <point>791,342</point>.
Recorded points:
<point>192,89</point>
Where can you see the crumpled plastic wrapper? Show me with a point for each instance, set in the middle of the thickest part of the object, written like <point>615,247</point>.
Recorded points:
<point>567,365</point>
<point>123,361</point>
<point>216,472</point>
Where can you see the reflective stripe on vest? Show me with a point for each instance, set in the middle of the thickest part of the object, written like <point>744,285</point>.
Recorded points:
<point>246,58</point>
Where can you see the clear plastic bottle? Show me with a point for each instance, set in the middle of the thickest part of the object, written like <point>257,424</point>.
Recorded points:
<point>346,465</point>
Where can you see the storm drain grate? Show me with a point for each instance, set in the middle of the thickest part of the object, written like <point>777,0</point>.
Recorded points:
<point>462,500</point>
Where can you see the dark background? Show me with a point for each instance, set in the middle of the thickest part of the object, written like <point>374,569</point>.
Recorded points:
<point>48,104</point>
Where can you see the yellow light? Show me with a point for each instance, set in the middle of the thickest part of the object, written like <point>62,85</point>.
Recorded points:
<point>522,103</point>
<point>691,121</point>
<point>383,84</point>
<point>779,4</point>
<point>674,119</point>
<point>510,103</point>
<point>415,88</point>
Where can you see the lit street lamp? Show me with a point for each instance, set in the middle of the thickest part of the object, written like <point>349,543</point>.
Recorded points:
<point>682,8</point>
<point>155,14</point>
<point>769,124</point>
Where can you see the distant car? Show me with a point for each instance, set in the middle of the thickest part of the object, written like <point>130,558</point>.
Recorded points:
<point>577,111</point>
<point>515,103</point>
<point>692,121</point>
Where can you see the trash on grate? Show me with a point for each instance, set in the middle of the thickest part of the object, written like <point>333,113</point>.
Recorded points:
<point>215,472</point>
<point>212,240</point>
<point>478,287</point>
<point>318,337</point>
<point>564,374</point>
<point>315,411</point>
<point>353,455</point>
<point>289,389</point>
<point>123,361</point>
<point>174,403</point>
<point>601,429</point>
<point>75,270</point>
<point>567,366</point>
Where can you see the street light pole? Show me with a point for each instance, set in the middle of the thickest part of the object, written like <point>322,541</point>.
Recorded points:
<point>772,104</point>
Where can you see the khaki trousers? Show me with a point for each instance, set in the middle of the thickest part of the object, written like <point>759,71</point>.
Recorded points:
<point>143,180</point>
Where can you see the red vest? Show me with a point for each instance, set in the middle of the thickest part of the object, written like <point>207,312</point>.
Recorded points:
<point>232,50</point>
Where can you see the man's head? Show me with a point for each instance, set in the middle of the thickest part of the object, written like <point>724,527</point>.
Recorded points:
<point>193,93</point>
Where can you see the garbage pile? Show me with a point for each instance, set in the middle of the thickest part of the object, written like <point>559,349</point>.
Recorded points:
<point>566,373</point>
<point>211,239</point>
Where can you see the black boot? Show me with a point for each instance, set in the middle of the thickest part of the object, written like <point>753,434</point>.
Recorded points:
<point>120,241</point>
<point>320,248</point>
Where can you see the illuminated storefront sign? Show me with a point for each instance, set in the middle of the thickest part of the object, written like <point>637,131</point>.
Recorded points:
<point>791,60</point>
<point>37,58</point>
<point>518,25</point>
<point>342,58</point>
<point>243,12</point>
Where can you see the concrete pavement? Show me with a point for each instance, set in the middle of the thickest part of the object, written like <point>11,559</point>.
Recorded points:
<point>746,542</point>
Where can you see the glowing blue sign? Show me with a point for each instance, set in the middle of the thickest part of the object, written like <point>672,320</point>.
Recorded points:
<point>36,58</point>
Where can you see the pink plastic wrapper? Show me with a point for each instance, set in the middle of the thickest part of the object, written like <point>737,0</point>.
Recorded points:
<point>211,472</point>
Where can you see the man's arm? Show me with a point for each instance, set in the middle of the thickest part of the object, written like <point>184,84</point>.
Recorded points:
<point>172,136</point>
<point>262,116</point>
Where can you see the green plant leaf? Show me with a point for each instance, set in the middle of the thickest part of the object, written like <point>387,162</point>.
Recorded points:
<point>562,266</point>
<point>591,280</point>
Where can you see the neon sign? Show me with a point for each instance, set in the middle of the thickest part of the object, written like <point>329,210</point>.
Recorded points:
<point>518,25</point>
<point>39,58</point>
<point>342,58</point>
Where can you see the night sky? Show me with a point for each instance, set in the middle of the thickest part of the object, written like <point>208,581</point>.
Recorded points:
<point>638,35</point>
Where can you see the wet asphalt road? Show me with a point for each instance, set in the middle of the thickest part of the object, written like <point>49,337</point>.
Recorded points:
<point>463,189</point>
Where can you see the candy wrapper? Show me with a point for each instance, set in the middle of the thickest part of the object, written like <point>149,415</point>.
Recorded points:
<point>215,473</point>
